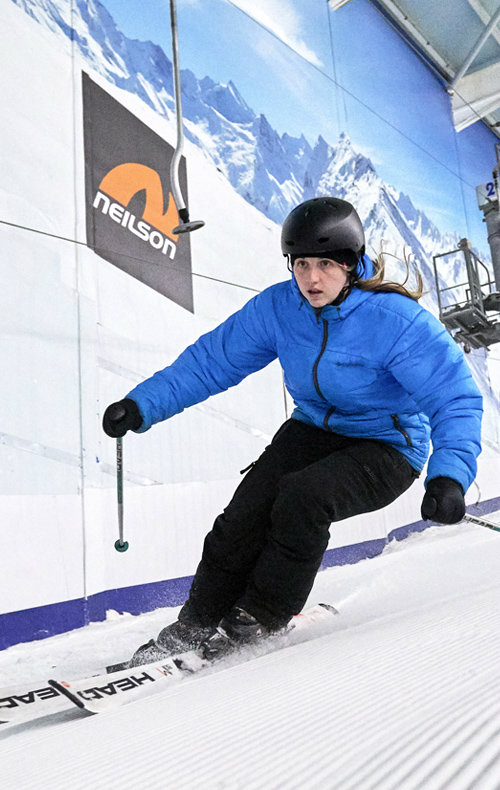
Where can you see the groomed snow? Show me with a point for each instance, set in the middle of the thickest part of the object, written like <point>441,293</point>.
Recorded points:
<point>403,692</point>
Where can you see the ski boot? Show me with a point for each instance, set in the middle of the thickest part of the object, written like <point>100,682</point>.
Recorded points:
<point>181,636</point>
<point>178,637</point>
<point>237,629</point>
<point>145,654</point>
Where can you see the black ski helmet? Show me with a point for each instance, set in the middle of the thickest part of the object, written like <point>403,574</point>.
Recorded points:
<point>322,225</point>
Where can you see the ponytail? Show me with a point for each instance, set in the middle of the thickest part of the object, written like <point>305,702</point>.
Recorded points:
<point>377,282</point>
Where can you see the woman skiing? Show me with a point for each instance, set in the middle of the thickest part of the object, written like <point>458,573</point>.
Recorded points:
<point>373,375</point>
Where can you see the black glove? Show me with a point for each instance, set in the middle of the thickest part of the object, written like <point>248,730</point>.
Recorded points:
<point>121,417</point>
<point>443,501</point>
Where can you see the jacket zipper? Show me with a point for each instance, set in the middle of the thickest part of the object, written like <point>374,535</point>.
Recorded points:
<point>315,373</point>
<point>399,427</point>
<point>327,417</point>
<point>315,366</point>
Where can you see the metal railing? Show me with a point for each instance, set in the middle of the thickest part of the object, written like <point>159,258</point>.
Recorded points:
<point>465,315</point>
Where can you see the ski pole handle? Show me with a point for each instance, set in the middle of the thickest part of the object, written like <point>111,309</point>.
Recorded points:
<point>120,544</point>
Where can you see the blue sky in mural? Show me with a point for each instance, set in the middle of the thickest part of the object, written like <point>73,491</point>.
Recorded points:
<point>285,68</point>
<point>220,40</point>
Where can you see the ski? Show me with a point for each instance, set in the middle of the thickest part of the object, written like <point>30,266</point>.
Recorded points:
<point>27,701</point>
<point>104,692</point>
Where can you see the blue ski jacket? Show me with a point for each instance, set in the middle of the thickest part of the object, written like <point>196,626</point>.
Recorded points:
<point>378,366</point>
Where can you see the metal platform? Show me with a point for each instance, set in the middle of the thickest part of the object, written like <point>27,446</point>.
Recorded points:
<point>473,316</point>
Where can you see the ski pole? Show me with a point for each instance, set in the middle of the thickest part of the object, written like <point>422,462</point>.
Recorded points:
<point>482,522</point>
<point>120,544</point>
<point>186,226</point>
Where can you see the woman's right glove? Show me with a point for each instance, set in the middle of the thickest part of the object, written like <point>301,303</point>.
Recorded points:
<point>121,417</point>
<point>443,501</point>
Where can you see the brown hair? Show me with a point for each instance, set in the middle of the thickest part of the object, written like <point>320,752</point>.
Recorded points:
<point>377,282</point>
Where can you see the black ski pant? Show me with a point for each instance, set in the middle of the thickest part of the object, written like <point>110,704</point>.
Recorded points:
<point>265,549</point>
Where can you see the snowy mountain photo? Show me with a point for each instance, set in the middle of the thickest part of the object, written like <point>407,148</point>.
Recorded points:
<point>273,172</point>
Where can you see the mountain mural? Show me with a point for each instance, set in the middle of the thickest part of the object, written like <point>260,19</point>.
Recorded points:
<point>273,172</point>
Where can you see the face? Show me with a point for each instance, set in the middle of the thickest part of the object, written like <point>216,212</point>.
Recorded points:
<point>320,280</point>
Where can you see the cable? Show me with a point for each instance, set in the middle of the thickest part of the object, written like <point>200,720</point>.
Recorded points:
<point>130,257</point>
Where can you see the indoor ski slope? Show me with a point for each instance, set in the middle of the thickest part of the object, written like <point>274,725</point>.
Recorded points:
<point>403,692</point>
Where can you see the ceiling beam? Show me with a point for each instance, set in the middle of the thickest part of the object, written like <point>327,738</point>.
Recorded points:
<point>475,50</point>
<point>484,16</point>
<point>481,104</point>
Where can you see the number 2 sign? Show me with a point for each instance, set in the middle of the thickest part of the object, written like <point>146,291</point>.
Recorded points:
<point>486,194</point>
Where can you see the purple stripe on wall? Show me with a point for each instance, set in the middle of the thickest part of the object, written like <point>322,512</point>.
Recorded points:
<point>41,622</point>
<point>348,555</point>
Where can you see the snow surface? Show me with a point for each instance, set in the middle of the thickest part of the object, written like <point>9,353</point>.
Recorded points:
<point>402,692</point>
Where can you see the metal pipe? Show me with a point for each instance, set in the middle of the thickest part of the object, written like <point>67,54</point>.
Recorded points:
<point>438,290</point>
<point>496,175</point>
<point>174,165</point>
<point>186,225</point>
<point>492,219</point>
<point>476,295</point>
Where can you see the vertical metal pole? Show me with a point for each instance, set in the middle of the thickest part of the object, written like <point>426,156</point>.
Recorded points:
<point>492,219</point>
<point>120,544</point>
<point>476,295</point>
<point>174,165</point>
<point>438,292</point>
<point>186,225</point>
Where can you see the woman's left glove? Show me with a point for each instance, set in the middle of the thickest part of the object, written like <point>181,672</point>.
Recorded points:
<point>443,501</point>
<point>120,417</point>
